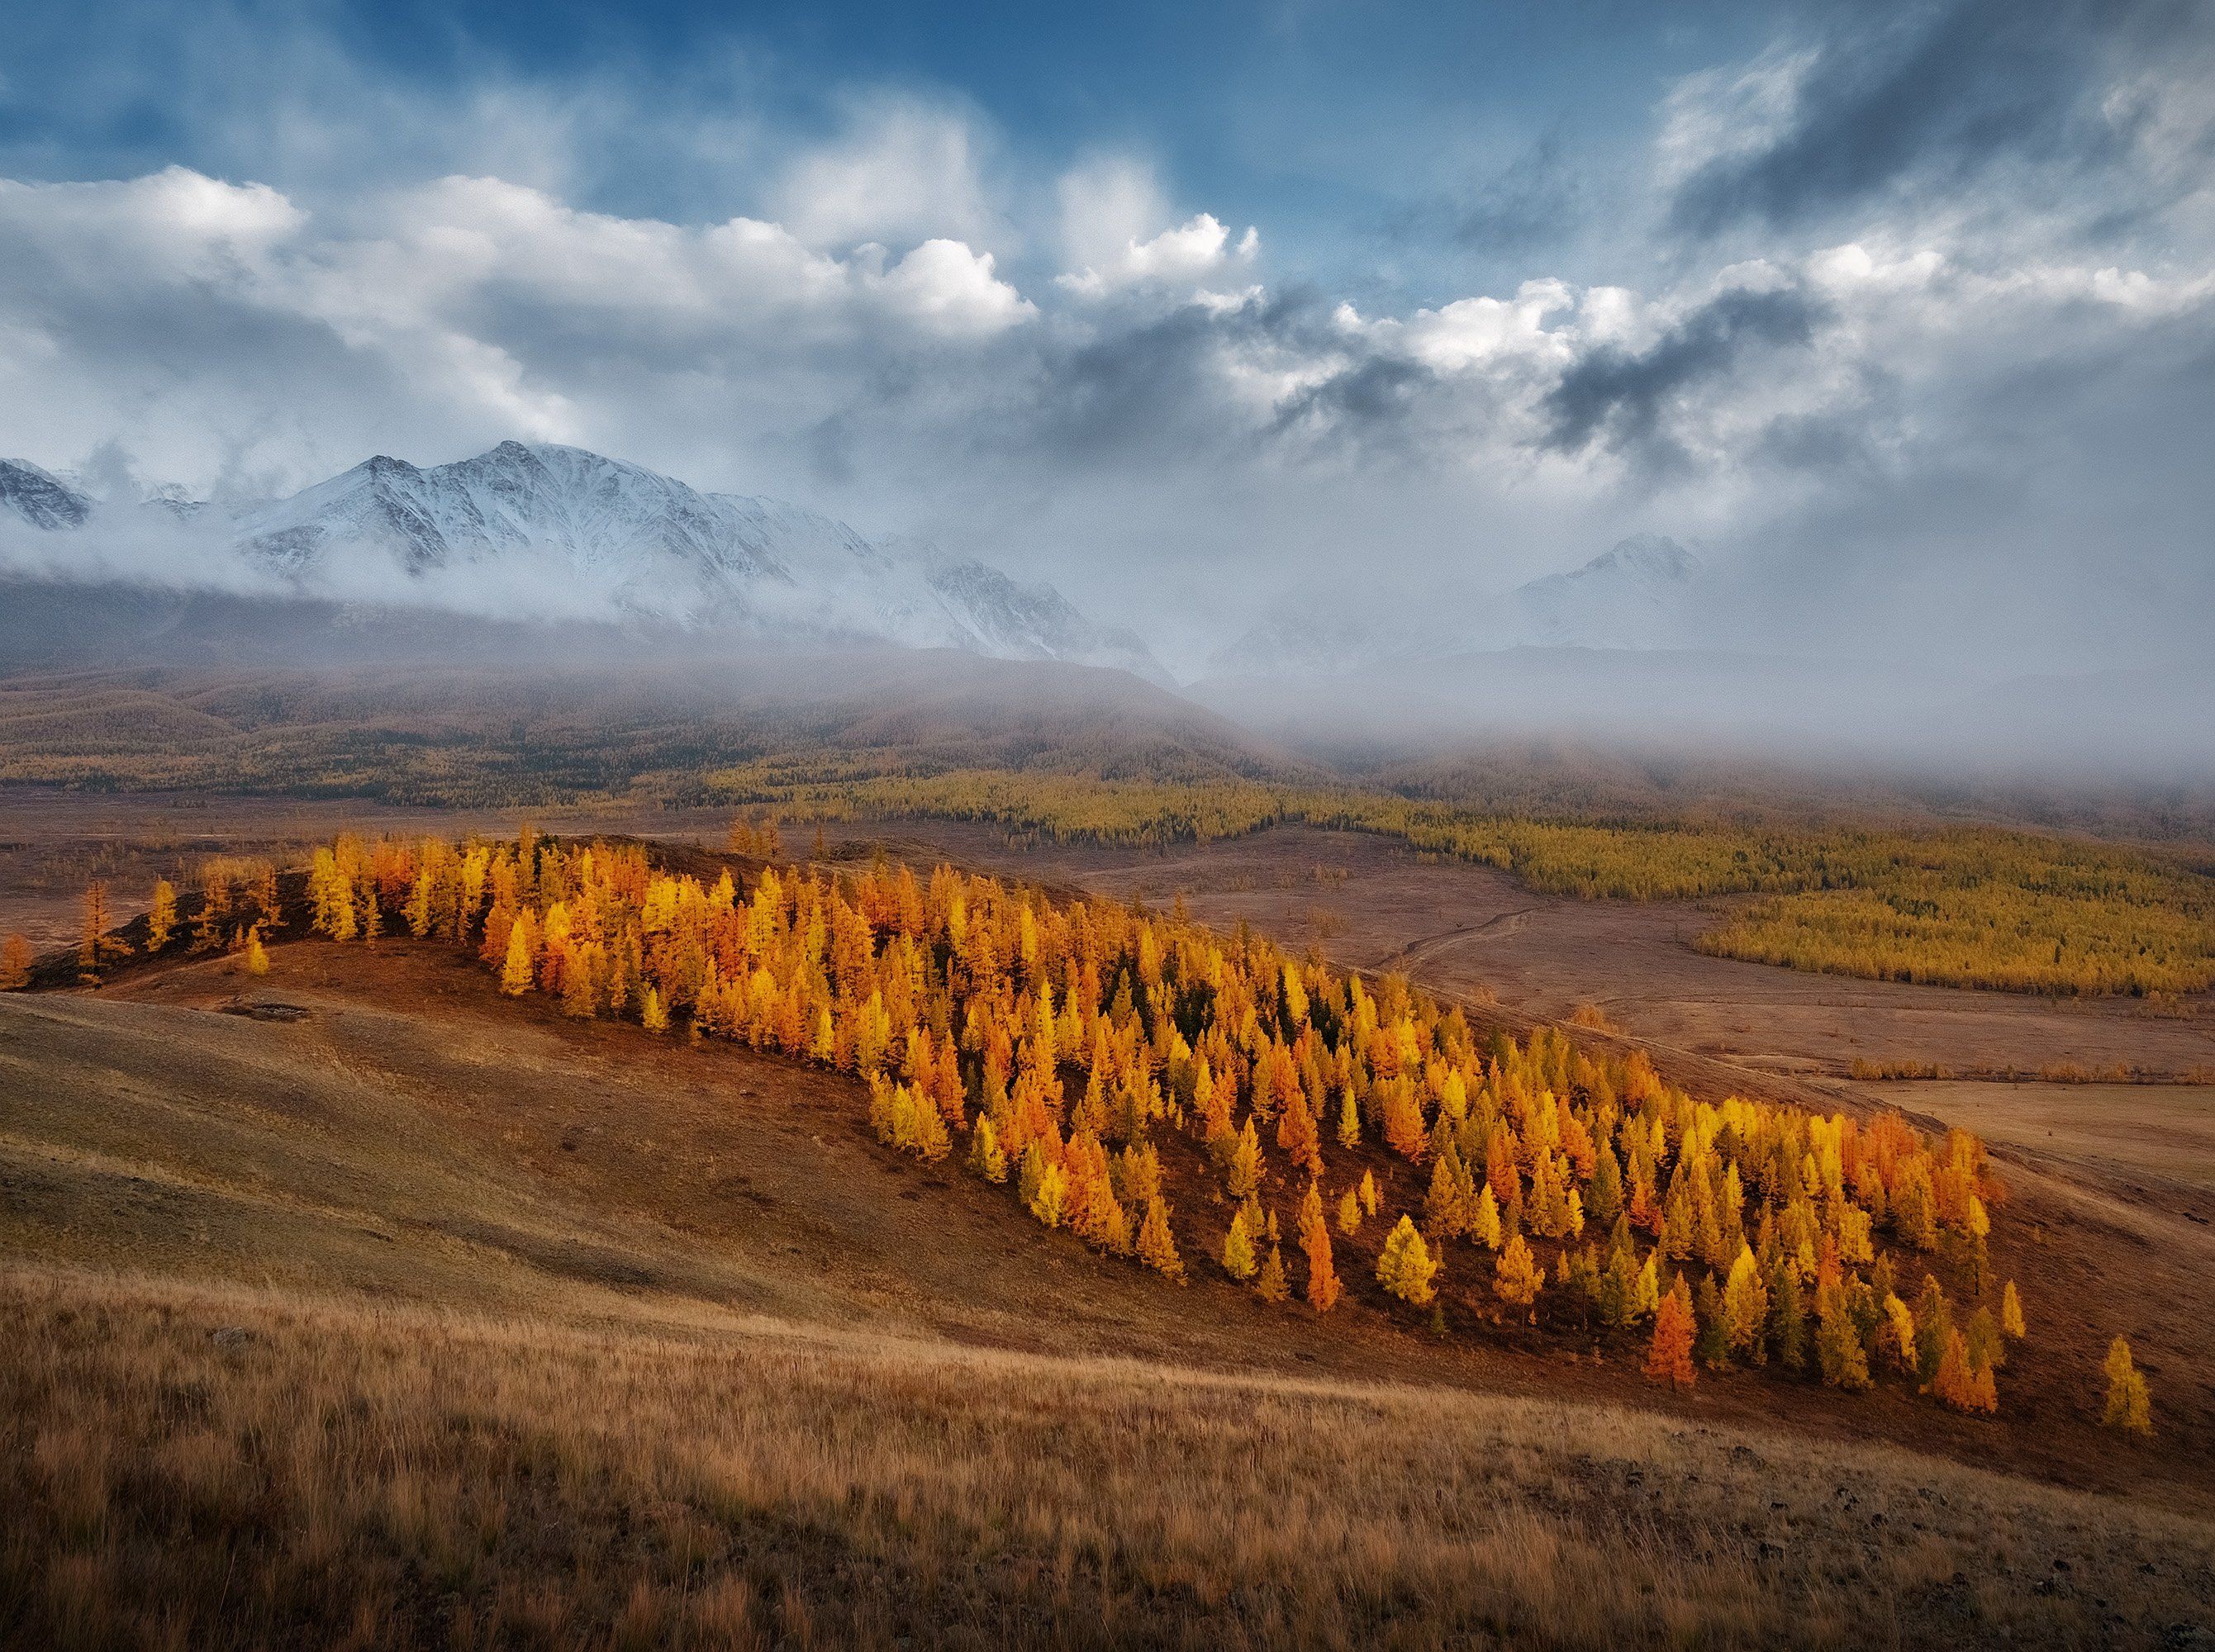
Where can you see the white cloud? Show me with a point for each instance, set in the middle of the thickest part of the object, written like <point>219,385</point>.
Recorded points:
<point>945,286</point>
<point>1728,112</point>
<point>1190,256</point>
<point>903,171</point>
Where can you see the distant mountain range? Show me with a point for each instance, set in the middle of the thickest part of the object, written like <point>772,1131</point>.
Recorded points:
<point>39,498</point>
<point>535,531</point>
<point>1641,594</point>
<point>543,530</point>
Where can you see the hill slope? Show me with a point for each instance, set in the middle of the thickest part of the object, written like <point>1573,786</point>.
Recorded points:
<point>543,1328</point>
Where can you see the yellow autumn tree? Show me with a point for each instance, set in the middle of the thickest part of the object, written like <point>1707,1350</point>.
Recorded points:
<point>516,973</point>
<point>1156,1244</point>
<point>1897,1338</point>
<point>2130,1405</point>
<point>95,945</point>
<point>1405,1267</point>
<point>2011,1312</point>
<point>160,915</point>
<point>1243,1174</point>
<point>1516,1276</point>
<point>15,964</point>
<point>257,955</point>
<point>985,1157</point>
<point>1238,1249</point>
<point>1745,1306</point>
<point>1956,1384</point>
<point>1050,1194</point>
<point>1484,1227</point>
<point>1271,1286</point>
<point>1349,1212</point>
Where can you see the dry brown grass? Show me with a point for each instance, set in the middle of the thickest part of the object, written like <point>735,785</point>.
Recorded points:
<point>202,1465</point>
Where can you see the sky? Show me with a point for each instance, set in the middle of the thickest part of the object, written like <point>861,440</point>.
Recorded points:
<point>1903,316</point>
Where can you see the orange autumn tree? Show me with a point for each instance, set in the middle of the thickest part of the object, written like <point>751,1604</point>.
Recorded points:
<point>1323,1288</point>
<point>16,960</point>
<point>1669,1355</point>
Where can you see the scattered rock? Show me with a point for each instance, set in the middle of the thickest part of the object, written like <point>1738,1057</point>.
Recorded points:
<point>231,1337</point>
<point>267,1010</point>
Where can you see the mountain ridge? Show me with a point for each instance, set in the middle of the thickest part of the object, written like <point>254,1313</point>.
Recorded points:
<point>553,531</point>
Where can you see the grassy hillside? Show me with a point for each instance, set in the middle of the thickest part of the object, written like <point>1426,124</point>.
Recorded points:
<point>235,1465</point>
<point>395,1313</point>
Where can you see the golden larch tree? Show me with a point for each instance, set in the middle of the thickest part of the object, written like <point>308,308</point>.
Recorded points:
<point>1669,1355</point>
<point>1238,1248</point>
<point>985,1157</point>
<point>1323,1288</point>
<point>518,970</point>
<point>162,915</point>
<point>1955,1383</point>
<point>1405,1267</point>
<point>94,945</point>
<point>1156,1244</point>
<point>1515,1276</point>
<point>1271,1286</point>
<point>15,964</point>
<point>2130,1405</point>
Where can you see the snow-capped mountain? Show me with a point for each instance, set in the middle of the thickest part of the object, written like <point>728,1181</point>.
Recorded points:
<point>1633,596</point>
<point>539,529</point>
<point>39,498</point>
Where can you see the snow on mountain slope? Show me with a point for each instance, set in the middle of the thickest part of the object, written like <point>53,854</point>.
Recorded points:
<point>39,498</point>
<point>540,530</point>
<point>1635,595</point>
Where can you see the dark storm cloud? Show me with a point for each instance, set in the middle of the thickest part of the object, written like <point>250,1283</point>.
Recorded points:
<point>1149,384</point>
<point>1945,93</point>
<point>1617,396</point>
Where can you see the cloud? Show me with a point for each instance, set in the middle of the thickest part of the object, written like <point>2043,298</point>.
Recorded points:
<point>1536,200</point>
<point>210,320</point>
<point>1913,108</point>
<point>1193,255</point>
<point>902,172</point>
<point>1620,397</point>
<point>1116,236</point>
